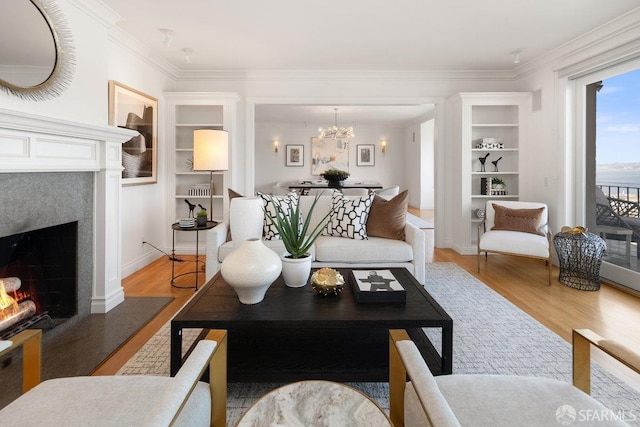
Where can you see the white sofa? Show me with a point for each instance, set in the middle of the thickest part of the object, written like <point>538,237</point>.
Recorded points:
<point>335,252</point>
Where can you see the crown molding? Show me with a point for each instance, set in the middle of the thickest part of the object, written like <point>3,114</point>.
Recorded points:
<point>617,38</point>
<point>344,75</point>
<point>97,11</point>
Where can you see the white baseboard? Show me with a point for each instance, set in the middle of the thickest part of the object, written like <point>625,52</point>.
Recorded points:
<point>134,265</point>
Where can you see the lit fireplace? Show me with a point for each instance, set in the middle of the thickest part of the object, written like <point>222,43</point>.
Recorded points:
<point>38,278</point>
<point>15,307</point>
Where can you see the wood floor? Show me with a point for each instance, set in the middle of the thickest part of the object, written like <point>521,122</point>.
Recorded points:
<point>610,311</point>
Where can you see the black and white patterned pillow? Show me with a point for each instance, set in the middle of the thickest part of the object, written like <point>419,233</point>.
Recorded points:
<point>288,202</point>
<point>349,216</point>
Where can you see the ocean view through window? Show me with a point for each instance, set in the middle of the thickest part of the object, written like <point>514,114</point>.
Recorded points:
<point>617,167</point>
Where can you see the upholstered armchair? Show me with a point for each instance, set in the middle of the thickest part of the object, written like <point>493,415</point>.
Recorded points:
<point>132,400</point>
<point>516,228</point>
<point>494,400</point>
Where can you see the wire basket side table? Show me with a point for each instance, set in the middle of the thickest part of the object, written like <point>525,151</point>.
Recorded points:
<point>580,257</point>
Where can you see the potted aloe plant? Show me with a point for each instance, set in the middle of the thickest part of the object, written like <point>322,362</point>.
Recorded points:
<point>297,239</point>
<point>201,218</point>
<point>335,177</point>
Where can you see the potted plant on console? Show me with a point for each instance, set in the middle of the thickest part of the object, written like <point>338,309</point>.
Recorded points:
<point>335,177</point>
<point>201,218</point>
<point>297,240</point>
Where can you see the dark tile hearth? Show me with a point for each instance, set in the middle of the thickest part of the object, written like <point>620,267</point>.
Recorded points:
<point>81,348</point>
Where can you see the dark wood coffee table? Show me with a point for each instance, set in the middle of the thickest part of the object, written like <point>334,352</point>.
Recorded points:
<point>295,334</point>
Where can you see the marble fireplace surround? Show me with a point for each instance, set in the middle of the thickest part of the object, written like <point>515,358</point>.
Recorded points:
<point>33,144</point>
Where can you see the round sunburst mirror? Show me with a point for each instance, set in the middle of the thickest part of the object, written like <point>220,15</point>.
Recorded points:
<point>38,63</point>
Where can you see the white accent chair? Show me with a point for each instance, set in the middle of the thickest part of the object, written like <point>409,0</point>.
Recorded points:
<point>132,400</point>
<point>515,242</point>
<point>496,400</point>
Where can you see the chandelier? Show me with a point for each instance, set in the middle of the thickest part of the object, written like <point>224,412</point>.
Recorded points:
<point>335,132</point>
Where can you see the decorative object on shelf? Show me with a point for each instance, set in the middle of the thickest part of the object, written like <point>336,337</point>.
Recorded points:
<point>327,281</point>
<point>366,154</point>
<point>297,240</point>
<point>199,190</point>
<point>479,213</point>
<point>250,270</point>
<point>495,164</point>
<point>201,218</point>
<point>210,153</point>
<point>248,218</point>
<point>295,155</point>
<point>490,144</point>
<point>132,109</point>
<point>189,163</point>
<point>482,160</point>
<point>335,132</point>
<point>335,177</point>
<point>498,187</point>
<point>192,207</point>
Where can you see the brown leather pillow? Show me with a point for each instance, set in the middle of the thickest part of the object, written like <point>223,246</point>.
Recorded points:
<point>387,217</point>
<point>232,195</point>
<point>524,220</point>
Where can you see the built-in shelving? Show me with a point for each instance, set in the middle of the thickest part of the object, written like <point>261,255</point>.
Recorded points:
<point>492,118</point>
<point>187,112</point>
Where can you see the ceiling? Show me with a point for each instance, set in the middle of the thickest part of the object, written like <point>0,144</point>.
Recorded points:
<point>358,35</point>
<point>406,35</point>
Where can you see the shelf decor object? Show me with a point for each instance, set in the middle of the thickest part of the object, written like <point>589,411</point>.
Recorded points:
<point>210,153</point>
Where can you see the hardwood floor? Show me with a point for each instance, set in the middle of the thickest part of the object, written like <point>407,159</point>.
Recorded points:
<point>610,311</point>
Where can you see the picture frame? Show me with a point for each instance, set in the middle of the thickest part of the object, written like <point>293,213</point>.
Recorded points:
<point>366,155</point>
<point>328,153</point>
<point>129,108</point>
<point>295,155</point>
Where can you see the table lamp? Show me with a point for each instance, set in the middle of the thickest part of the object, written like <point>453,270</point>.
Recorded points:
<point>210,153</point>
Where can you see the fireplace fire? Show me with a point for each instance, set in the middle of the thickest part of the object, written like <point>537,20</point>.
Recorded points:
<point>14,309</point>
<point>38,278</point>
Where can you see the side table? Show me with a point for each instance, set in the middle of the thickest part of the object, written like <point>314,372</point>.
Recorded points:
<point>315,403</point>
<point>197,228</point>
<point>580,256</point>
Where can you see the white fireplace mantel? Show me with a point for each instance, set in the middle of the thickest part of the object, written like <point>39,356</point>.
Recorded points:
<point>32,143</point>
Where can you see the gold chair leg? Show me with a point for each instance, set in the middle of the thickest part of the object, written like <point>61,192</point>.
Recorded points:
<point>218,378</point>
<point>397,378</point>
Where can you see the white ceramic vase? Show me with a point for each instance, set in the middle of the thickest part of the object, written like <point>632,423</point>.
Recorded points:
<point>250,270</point>
<point>296,271</point>
<point>246,219</point>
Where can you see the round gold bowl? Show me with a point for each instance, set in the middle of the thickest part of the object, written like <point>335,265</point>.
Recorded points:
<point>327,281</point>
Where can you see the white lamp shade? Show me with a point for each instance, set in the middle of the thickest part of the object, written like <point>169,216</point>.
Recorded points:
<point>210,150</point>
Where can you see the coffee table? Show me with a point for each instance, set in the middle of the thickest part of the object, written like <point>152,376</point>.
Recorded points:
<point>295,334</point>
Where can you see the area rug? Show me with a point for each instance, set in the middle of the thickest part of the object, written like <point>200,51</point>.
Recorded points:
<point>418,222</point>
<point>74,349</point>
<point>490,335</point>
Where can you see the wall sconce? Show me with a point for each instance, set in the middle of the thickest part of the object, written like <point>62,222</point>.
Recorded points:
<point>276,143</point>
<point>383,146</point>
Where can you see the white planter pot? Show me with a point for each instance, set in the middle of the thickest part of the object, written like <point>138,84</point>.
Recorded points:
<point>296,271</point>
<point>250,270</point>
<point>246,219</point>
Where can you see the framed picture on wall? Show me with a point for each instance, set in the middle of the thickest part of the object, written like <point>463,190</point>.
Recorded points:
<point>129,108</point>
<point>365,155</point>
<point>295,155</point>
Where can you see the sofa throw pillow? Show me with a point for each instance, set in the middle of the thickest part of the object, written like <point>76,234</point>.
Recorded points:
<point>387,218</point>
<point>523,220</point>
<point>349,216</point>
<point>232,195</point>
<point>287,203</point>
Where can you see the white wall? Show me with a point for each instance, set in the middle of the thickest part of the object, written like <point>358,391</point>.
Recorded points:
<point>427,162</point>
<point>271,167</point>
